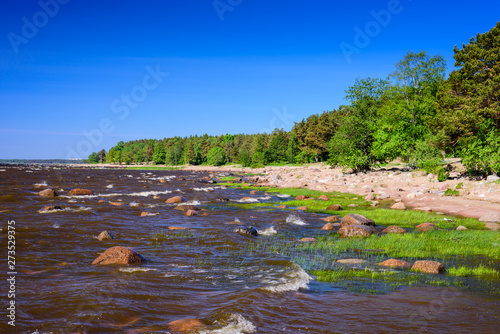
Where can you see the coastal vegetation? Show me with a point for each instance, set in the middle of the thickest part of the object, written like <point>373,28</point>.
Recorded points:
<point>416,114</point>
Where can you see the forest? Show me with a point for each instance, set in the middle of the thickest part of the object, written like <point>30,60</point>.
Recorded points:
<point>416,114</point>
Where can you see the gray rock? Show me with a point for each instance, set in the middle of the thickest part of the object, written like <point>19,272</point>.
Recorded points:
<point>490,217</point>
<point>492,178</point>
<point>247,230</point>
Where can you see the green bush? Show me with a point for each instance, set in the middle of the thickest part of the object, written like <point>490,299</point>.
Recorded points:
<point>451,192</point>
<point>482,154</point>
<point>245,159</point>
<point>216,156</point>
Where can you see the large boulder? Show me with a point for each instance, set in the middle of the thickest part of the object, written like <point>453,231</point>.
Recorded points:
<point>355,219</point>
<point>393,229</point>
<point>492,178</point>
<point>119,255</point>
<point>308,240</point>
<point>398,206</point>
<point>429,267</point>
<point>355,231</point>
<point>105,235</point>
<point>490,217</point>
<point>425,227</point>
<point>47,193</point>
<point>80,192</point>
<point>176,199</point>
<point>186,325</point>
<point>394,263</point>
<point>334,207</point>
<point>247,231</point>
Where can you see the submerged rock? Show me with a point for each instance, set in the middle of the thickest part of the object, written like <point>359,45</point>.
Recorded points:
<point>50,208</point>
<point>80,192</point>
<point>105,235</point>
<point>327,227</point>
<point>394,263</point>
<point>247,230</point>
<point>355,231</point>
<point>308,240</point>
<point>393,229</point>
<point>119,255</point>
<point>283,206</point>
<point>429,267</point>
<point>351,261</point>
<point>191,213</point>
<point>176,199</point>
<point>331,219</point>
<point>186,208</point>
<point>185,325</point>
<point>47,193</point>
<point>355,219</point>
<point>302,208</point>
<point>424,227</point>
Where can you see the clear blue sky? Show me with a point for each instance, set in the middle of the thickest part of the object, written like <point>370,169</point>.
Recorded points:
<point>246,66</point>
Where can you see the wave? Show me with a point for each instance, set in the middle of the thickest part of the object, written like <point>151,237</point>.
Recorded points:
<point>141,194</point>
<point>235,324</point>
<point>268,231</point>
<point>294,219</point>
<point>247,200</point>
<point>132,270</point>
<point>294,280</point>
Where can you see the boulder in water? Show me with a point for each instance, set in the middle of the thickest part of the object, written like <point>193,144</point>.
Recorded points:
<point>355,219</point>
<point>393,229</point>
<point>80,192</point>
<point>424,227</point>
<point>355,231</point>
<point>186,325</point>
<point>429,267</point>
<point>176,199</point>
<point>47,193</point>
<point>105,235</point>
<point>394,263</point>
<point>119,255</point>
<point>247,230</point>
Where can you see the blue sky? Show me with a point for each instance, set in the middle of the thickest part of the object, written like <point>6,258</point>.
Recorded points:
<point>79,76</point>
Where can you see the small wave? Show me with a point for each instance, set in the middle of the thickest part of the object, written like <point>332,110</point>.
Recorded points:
<point>132,270</point>
<point>2,170</point>
<point>235,324</point>
<point>265,198</point>
<point>294,219</point>
<point>42,184</point>
<point>109,186</point>
<point>248,200</point>
<point>268,231</point>
<point>204,189</point>
<point>194,202</point>
<point>294,280</point>
<point>56,225</point>
<point>283,196</point>
<point>142,194</point>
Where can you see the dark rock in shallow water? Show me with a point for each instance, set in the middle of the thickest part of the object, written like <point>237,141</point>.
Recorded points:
<point>51,208</point>
<point>247,230</point>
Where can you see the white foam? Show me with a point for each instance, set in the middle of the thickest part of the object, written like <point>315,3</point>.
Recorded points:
<point>109,186</point>
<point>265,198</point>
<point>132,270</point>
<point>204,189</point>
<point>235,324</point>
<point>283,196</point>
<point>248,200</point>
<point>194,202</point>
<point>44,183</point>
<point>2,170</point>
<point>56,225</point>
<point>142,194</point>
<point>294,280</point>
<point>268,231</point>
<point>294,219</point>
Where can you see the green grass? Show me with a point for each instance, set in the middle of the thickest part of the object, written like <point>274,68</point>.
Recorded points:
<point>152,168</point>
<point>467,271</point>
<point>451,192</point>
<point>229,178</point>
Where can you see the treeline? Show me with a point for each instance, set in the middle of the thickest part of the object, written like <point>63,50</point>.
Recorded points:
<point>416,114</point>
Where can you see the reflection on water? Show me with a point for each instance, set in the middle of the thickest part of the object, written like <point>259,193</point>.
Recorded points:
<point>205,271</point>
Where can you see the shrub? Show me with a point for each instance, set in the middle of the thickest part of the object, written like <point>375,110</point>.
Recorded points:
<point>216,156</point>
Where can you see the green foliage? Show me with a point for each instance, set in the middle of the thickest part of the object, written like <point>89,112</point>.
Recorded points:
<point>245,159</point>
<point>216,156</point>
<point>159,154</point>
<point>258,159</point>
<point>481,270</point>
<point>277,151</point>
<point>482,154</point>
<point>451,192</point>
<point>174,154</point>
<point>93,158</point>
<point>442,174</point>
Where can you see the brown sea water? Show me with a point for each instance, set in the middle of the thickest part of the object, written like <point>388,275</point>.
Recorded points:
<point>207,272</point>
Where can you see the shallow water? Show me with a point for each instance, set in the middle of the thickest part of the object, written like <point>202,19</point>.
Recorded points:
<point>207,272</point>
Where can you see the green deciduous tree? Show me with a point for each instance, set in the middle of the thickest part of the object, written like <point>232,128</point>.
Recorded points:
<point>216,156</point>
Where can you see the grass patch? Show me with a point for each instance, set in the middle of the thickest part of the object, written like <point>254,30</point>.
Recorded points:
<point>152,168</point>
<point>451,192</point>
<point>229,178</point>
<point>467,271</point>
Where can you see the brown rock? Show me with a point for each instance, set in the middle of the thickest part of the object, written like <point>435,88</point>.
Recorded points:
<point>51,208</point>
<point>398,206</point>
<point>144,214</point>
<point>235,222</point>
<point>323,198</point>
<point>190,213</point>
<point>186,208</point>
<point>461,228</point>
<point>253,192</point>
<point>156,197</point>
<point>282,206</point>
<point>426,227</point>
<point>301,197</point>
<point>185,325</point>
<point>302,208</point>
<point>47,193</point>
<point>331,219</point>
<point>351,261</point>
<point>394,263</point>
<point>393,229</point>
<point>116,203</point>
<point>334,207</point>
<point>80,192</point>
<point>429,267</point>
<point>490,217</point>
<point>375,203</point>
<point>327,227</point>
<point>355,231</point>
<point>105,236</point>
<point>178,228</point>
<point>176,199</point>
<point>308,240</point>
<point>355,219</point>
<point>163,181</point>
<point>119,255</point>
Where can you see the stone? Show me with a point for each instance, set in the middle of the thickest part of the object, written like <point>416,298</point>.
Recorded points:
<point>105,235</point>
<point>301,197</point>
<point>323,198</point>
<point>50,208</point>
<point>331,219</point>
<point>327,227</point>
<point>394,263</point>
<point>375,203</point>
<point>144,214</point>
<point>302,208</point>
<point>253,192</point>
<point>308,240</point>
<point>247,230</point>
<point>176,199</point>
<point>80,192</point>
<point>186,208</point>
<point>461,228</point>
<point>119,255</point>
<point>393,229</point>
<point>355,231</point>
<point>47,193</point>
<point>191,213</point>
<point>352,205</point>
<point>398,206</point>
<point>492,178</point>
<point>178,228</point>
<point>355,219</point>
<point>334,207</point>
<point>116,203</point>
<point>185,325</point>
<point>429,267</point>
<point>351,261</point>
<point>425,227</point>
<point>156,197</point>
<point>490,217</point>
<point>282,206</point>
<point>163,181</point>
<point>369,197</point>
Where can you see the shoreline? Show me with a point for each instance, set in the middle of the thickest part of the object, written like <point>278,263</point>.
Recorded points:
<point>415,189</point>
